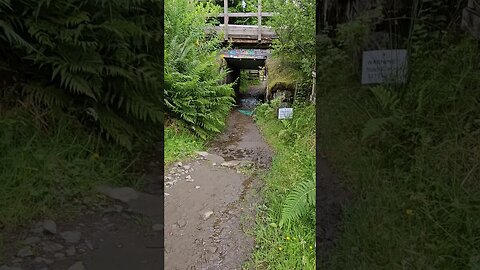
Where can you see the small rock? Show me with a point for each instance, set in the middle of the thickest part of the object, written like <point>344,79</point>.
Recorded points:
<point>89,244</point>
<point>178,164</point>
<point>51,247</point>
<point>187,167</point>
<point>197,187</point>
<point>190,180</point>
<point>167,194</point>
<point>214,164</point>
<point>202,154</point>
<point>50,226</point>
<point>207,215</point>
<point>25,252</point>
<point>168,178</point>
<point>70,251</point>
<point>124,194</point>
<point>188,177</point>
<point>157,227</point>
<point>181,223</point>
<point>43,260</point>
<point>230,164</point>
<point>71,237</point>
<point>77,266</point>
<point>59,255</point>
<point>31,240</point>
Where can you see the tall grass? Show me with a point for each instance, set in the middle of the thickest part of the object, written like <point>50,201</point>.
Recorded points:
<point>180,144</point>
<point>47,174</point>
<point>415,174</point>
<point>289,247</point>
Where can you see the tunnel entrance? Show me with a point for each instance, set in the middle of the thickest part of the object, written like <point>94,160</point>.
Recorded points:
<point>251,84</point>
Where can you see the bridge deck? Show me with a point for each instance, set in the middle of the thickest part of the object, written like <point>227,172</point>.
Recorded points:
<point>244,33</point>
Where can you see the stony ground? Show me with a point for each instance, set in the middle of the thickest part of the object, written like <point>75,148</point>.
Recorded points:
<point>124,232</point>
<point>211,200</point>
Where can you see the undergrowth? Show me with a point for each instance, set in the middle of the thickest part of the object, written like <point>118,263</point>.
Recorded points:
<point>410,154</point>
<point>291,246</point>
<point>179,144</point>
<point>50,173</point>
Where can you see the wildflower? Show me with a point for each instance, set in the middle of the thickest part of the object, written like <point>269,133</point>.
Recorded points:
<point>409,212</point>
<point>288,237</point>
<point>280,248</point>
<point>311,247</point>
<point>95,156</point>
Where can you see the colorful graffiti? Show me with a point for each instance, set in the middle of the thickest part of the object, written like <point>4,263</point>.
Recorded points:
<point>245,53</point>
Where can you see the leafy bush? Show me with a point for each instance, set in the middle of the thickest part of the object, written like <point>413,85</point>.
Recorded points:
<point>193,93</point>
<point>97,59</point>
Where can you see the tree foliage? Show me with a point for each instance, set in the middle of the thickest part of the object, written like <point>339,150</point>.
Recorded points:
<point>294,24</point>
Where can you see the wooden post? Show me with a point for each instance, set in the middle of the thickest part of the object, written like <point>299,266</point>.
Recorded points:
<point>259,16</point>
<point>225,18</point>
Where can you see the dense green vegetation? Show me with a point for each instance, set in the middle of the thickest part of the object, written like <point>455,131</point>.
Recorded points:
<point>285,231</point>
<point>97,60</point>
<point>180,144</point>
<point>409,153</point>
<point>80,85</point>
<point>290,245</point>
<point>51,173</point>
<point>193,96</point>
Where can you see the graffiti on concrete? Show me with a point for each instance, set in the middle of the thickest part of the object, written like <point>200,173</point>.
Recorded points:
<point>245,53</point>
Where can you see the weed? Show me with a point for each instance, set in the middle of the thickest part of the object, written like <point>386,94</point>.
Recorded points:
<point>293,163</point>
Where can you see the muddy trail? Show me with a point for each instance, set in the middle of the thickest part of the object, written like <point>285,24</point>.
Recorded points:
<point>211,200</point>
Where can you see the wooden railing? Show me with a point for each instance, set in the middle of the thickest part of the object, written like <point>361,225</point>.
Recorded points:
<point>259,14</point>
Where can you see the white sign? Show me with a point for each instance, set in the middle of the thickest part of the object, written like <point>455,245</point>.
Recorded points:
<point>285,113</point>
<point>384,65</point>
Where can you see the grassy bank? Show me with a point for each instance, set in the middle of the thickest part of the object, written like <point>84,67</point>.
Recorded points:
<point>48,174</point>
<point>292,246</point>
<point>410,155</point>
<point>180,144</point>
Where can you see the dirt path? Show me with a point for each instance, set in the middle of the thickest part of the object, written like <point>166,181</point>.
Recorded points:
<point>122,232</point>
<point>210,201</point>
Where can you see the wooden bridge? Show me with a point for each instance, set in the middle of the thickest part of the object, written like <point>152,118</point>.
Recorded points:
<point>246,35</point>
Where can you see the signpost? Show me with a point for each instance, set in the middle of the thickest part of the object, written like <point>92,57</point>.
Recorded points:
<point>285,113</point>
<point>383,66</point>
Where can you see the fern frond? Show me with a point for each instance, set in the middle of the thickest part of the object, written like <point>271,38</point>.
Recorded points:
<point>299,201</point>
<point>373,126</point>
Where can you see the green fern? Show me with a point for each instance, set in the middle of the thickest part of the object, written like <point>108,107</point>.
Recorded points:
<point>299,201</point>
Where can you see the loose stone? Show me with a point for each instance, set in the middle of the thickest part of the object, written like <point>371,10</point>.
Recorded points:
<point>71,236</point>
<point>25,252</point>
